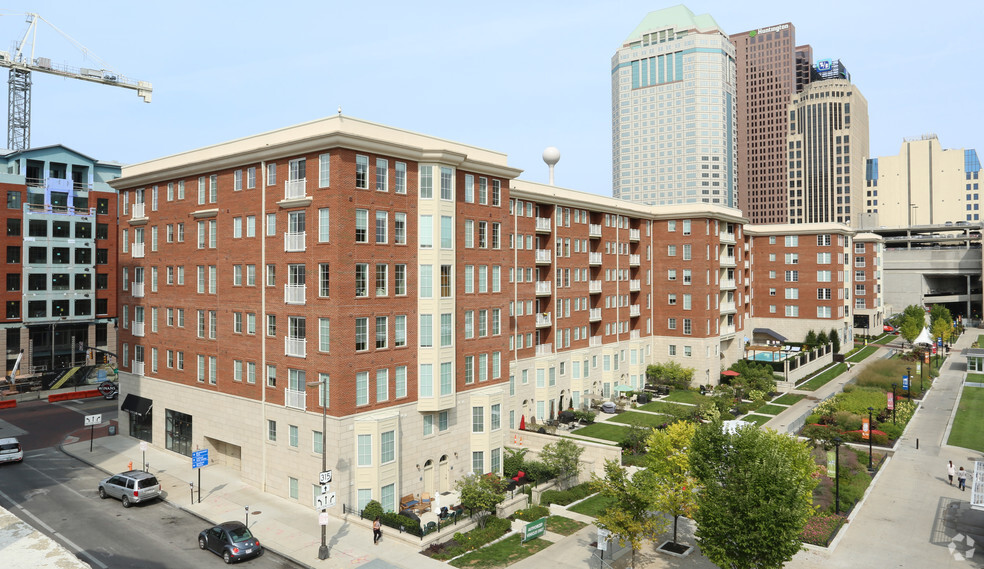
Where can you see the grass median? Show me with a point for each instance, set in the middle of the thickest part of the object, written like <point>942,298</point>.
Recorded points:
<point>969,421</point>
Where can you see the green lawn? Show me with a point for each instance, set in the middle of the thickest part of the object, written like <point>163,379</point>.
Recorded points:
<point>886,337</point>
<point>969,422</point>
<point>660,407</point>
<point>563,526</point>
<point>980,339</point>
<point>770,409</point>
<point>975,377</point>
<point>757,419</point>
<point>593,506</point>
<point>501,554</point>
<point>685,396</point>
<point>789,398</point>
<point>641,419</point>
<point>863,353</point>
<point>820,380</point>
<point>607,431</point>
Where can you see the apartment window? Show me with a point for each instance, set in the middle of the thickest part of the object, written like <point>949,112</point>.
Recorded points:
<point>469,188</point>
<point>792,276</point>
<point>792,240</point>
<point>824,239</point>
<point>478,419</point>
<point>400,178</point>
<point>382,334</point>
<point>447,232</point>
<point>792,311</point>
<point>292,437</point>
<point>446,178</point>
<point>271,430</point>
<point>426,182</point>
<point>496,192</point>
<point>364,444</point>
<point>271,224</point>
<point>446,330</point>
<point>382,278</point>
<point>687,326</point>
<point>426,281</point>
<point>400,228</point>
<point>792,258</point>
<point>381,225</point>
<point>825,293</point>
<point>483,190</point>
<point>686,252</point>
<point>382,384</point>
<point>447,378</point>
<point>324,219</point>
<point>425,380</point>
<point>686,227</point>
<point>792,293</point>
<point>482,234</point>
<point>362,388</point>
<point>361,334</point>
<point>361,226</point>
<point>446,281</point>
<point>478,461</point>
<point>400,331</point>
<point>324,170</point>
<point>426,232</point>
<point>382,171</point>
<point>824,276</point>
<point>362,172</point>
<point>426,330</point>
<point>387,453</point>
<point>250,181</point>
<point>687,277</point>
<point>400,381</point>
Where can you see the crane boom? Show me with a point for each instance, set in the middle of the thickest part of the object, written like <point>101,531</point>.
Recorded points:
<point>21,66</point>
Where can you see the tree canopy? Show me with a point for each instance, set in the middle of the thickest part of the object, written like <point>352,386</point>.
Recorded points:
<point>481,494</point>
<point>668,470</point>
<point>631,519</point>
<point>670,373</point>
<point>941,322</point>
<point>564,457</point>
<point>756,495</point>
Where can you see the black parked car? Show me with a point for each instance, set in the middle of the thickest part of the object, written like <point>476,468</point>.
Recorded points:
<point>231,540</point>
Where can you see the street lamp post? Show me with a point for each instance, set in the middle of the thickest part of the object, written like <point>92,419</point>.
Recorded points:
<point>322,392</point>
<point>870,438</point>
<point>837,484</point>
<point>908,376</point>
<point>893,402</point>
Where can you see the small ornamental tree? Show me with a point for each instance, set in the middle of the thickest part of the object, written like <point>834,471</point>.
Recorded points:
<point>668,470</point>
<point>822,338</point>
<point>835,341</point>
<point>564,457</point>
<point>631,518</point>
<point>481,494</point>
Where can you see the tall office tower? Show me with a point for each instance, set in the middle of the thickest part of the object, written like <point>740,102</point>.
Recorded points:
<point>923,184</point>
<point>766,60</point>
<point>673,112</point>
<point>804,66</point>
<point>828,147</point>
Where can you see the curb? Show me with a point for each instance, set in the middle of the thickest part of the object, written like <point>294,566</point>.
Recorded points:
<point>61,447</point>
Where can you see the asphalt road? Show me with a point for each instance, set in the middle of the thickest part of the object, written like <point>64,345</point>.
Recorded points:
<point>56,494</point>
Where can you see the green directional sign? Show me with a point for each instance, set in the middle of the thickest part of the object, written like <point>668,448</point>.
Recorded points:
<point>535,529</point>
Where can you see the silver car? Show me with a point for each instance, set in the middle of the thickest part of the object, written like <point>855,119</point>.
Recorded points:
<point>131,487</point>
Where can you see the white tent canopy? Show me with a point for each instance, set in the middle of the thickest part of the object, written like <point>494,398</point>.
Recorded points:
<point>924,338</point>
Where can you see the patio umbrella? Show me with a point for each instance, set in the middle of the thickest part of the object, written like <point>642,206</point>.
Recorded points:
<point>620,388</point>
<point>522,422</point>
<point>730,373</point>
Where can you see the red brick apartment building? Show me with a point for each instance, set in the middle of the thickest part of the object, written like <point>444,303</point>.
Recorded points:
<point>436,298</point>
<point>60,248</point>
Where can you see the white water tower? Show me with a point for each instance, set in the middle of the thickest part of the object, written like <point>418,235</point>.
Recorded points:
<point>551,156</point>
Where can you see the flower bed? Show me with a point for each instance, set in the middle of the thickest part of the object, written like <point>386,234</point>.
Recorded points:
<point>820,529</point>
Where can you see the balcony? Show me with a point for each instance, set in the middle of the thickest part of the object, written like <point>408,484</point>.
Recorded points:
<point>138,250</point>
<point>294,242</point>
<point>727,236</point>
<point>543,256</point>
<point>136,367</point>
<point>295,294</point>
<point>728,261</point>
<point>294,399</point>
<point>544,349</point>
<point>543,288</point>
<point>543,225</point>
<point>137,289</point>
<point>634,235</point>
<point>594,258</point>
<point>594,315</point>
<point>295,347</point>
<point>294,189</point>
<point>543,320</point>
<point>634,260</point>
<point>728,284</point>
<point>594,341</point>
<point>594,287</point>
<point>635,335</point>
<point>634,311</point>
<point>728,308</point>
<point>138,211</point>
<point>727,331</point>
<point>635,285</point>
<point>594,230</point>
<point>137,329</point>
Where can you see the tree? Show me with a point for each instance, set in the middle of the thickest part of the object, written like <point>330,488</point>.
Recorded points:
<point>753,375</point>
<point>564,457</point>
<point>912,321</point>
<point>481,494</point>
<point>670,373</point>
<point>668,468</point>
<point>822,338</point>
<point>631,518</point>
<point>755,498</point>
<point>835,340</point>
<point>811,338</point>
<point>941,322</point>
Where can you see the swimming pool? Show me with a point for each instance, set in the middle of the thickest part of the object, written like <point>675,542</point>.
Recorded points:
<point>769,356</point>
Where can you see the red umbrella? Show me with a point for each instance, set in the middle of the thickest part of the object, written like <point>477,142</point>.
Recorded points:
<point>730,373</point>
<point>522,422</point>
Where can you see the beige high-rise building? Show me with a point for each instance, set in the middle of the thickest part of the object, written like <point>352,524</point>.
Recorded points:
<point>828,149</point>
<point>924,184</point>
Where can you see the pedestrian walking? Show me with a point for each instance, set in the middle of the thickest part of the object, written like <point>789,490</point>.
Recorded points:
<point>962,479</point>
<point>377,531</point>
<point>949,472</point>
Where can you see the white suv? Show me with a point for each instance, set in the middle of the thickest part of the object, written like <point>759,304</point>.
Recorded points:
<point>10,450</point>
<point>131,487</point>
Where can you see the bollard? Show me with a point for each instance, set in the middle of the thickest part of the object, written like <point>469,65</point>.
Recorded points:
<point>917,444</point>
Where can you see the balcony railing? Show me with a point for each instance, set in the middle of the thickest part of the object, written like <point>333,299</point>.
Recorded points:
<point>295,294</point>
<point>137,210</point>
<point>635,335</point>
<point>634,234</point>
<point>543,320</point>
<point>294,242</point>
<point>543,288</point>
<point>544,349</point>
<point>594,287</point>
<point>295,188</point>
<point>728,283</point>
<point>137,251</point>
<point>137,289</point>
<point>295,347</point>
<point>594,230</point>
<point>594,315</point>
<point>543,224</point>
<point>543,256</point>
<point>595,341</point>
<point>727,237</point>
<point>594,258</point>
<point>137,329</point>
<point>635,285</point>
<point>295,399</point>
<point>726,330</point>
<point>727,261</point>
<point>137,367</point>
<point>728,307</point>
<point>634,311</point>
<point>634,260</point>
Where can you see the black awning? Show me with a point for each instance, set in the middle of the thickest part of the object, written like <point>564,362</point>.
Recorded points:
<point>136,404</point>
<point>770,332</point>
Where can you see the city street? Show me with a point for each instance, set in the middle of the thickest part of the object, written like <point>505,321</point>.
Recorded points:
<point>56,494</point>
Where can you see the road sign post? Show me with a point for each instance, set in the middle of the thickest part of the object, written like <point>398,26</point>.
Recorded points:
<point>91,421</point>
<point>199,458</point>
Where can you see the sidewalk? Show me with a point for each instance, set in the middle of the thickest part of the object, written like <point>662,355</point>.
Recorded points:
<point>282,526</point>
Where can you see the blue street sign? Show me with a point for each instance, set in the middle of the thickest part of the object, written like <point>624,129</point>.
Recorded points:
<point>905,382</point>
<point>199,458</point>
<point>939,341</point>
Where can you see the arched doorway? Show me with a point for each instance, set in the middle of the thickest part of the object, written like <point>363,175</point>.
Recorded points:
<point>444,475</point>
<point>429,476</point>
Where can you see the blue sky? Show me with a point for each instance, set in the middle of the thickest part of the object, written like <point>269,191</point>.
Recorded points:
<point>509,76</point>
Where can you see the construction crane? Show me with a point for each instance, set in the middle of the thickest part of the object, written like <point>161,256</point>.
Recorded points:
<point>22,63</point>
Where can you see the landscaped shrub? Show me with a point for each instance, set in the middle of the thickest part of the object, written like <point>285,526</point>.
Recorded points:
<point>847,421</point>
<point>513,462</point>
<point>643,398</point>
<point>372,509</point>
<point>537,471</point>
<point>396,521</point>
<point>586,416</point>
<point>493,530</point>
<point>532,513</point>
<point>893,431</point>
<point>565,497</point>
